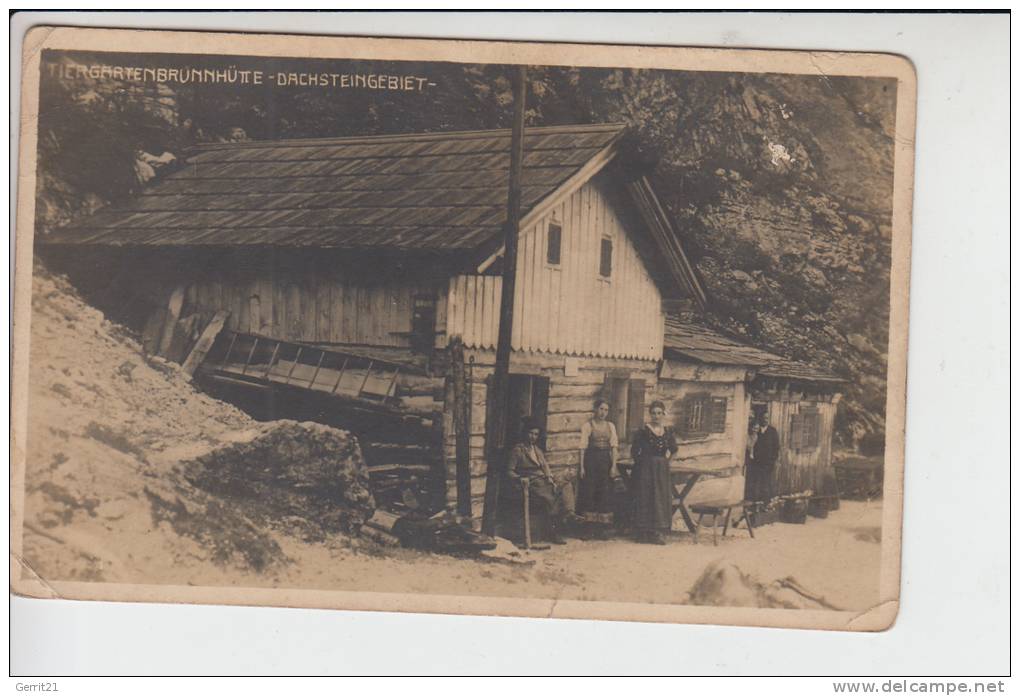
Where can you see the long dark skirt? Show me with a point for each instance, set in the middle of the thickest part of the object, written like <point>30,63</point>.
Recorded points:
<point>595,489</point>
<point>758,485</point>
<point>653,495</point>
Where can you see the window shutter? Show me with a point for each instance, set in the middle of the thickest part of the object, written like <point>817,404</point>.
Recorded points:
<point>810,425</point>
<point>616,395</point>
<point>680,416</point>
<point>635,405</point>
<point>717,419</point>
<point>696,414</point>
<point>796,431</point>
<point>540,403</point>
<point>555,237</point>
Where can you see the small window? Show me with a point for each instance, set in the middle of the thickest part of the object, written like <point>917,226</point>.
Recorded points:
<point>555,238</point>
<point>606,259</point>
<point>804,429</point>
<point>699,415</point>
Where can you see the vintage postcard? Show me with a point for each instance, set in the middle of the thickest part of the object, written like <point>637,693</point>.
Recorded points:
<point>545,330</point>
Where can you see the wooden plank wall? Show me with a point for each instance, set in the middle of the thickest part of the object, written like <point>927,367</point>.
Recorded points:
<point>570,404</point>
<point>801,470</point>
<point>316,306</point>
<point>472,309</point>
<point>568,309</point>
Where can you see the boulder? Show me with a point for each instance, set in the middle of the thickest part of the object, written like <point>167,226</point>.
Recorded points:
<point>306,477</point>
<point>723,584</point>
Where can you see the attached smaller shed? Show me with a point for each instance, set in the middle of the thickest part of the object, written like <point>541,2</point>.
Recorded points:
<point>714,385</point>
<point>801,402</point>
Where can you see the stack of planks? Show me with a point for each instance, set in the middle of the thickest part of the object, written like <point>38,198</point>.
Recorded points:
<point>168,334</point>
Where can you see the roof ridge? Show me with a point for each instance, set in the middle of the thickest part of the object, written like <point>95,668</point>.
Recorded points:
<point>407,137</point>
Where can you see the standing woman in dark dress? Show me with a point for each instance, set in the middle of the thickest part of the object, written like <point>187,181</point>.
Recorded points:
<point>653,447</point>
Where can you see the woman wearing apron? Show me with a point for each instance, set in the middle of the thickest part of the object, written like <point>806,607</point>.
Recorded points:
<point>599,445</point>
<point>653,446</point>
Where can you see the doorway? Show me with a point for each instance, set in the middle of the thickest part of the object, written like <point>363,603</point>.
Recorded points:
<point>528,397</point>
<point>758,409</point>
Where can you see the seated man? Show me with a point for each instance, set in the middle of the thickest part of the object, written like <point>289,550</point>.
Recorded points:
<point>548,497</point>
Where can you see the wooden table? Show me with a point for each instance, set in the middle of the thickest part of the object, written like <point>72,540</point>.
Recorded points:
<point>684,478</point>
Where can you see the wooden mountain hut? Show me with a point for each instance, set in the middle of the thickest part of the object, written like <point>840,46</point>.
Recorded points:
<point>357,281</point>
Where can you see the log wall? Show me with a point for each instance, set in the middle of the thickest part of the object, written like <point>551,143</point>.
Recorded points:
<point>570,404</point>
<point>715,450</point>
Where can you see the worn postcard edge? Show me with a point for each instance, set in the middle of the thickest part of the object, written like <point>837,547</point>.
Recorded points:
<point>24,581</point>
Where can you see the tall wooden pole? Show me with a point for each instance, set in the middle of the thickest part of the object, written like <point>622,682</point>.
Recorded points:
<point>462,425</point>
<point>496,432</point>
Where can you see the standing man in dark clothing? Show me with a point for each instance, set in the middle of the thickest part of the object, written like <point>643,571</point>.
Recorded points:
<point>764,456</point>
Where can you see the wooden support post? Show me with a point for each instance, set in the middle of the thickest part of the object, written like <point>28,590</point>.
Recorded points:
<point>290,373</point>
<point>318,366</point>
<point>393,383</point>
<point>244,370</point>
<point>461,425</point>
<point>272,359</point>
<point>496,454</point>
<point>368,372</point>
<point>496,450</point>
<point>340,375</point>
<point>173,313</point>
<point>230,348</point>
<point>205,342</point>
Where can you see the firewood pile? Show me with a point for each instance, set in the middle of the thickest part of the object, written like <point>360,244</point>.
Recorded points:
<point>443,532</point>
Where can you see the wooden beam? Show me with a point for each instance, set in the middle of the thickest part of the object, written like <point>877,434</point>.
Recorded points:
<point>666,238</point>
<point>172,315</point>
<point>496,460</point>
<point>461,425</point>
<point>205,342</point>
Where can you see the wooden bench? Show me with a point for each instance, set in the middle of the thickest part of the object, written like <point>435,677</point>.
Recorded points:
<point>715,509</point>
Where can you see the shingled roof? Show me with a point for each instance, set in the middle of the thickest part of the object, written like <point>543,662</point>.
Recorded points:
<point>693,341</point>
<point>432,191</point>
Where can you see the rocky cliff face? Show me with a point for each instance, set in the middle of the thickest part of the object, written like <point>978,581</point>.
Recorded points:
<point>791,231</point>
<point>780,186</point>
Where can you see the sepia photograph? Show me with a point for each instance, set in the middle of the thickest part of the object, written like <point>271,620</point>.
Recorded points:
<point>477,328</point>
